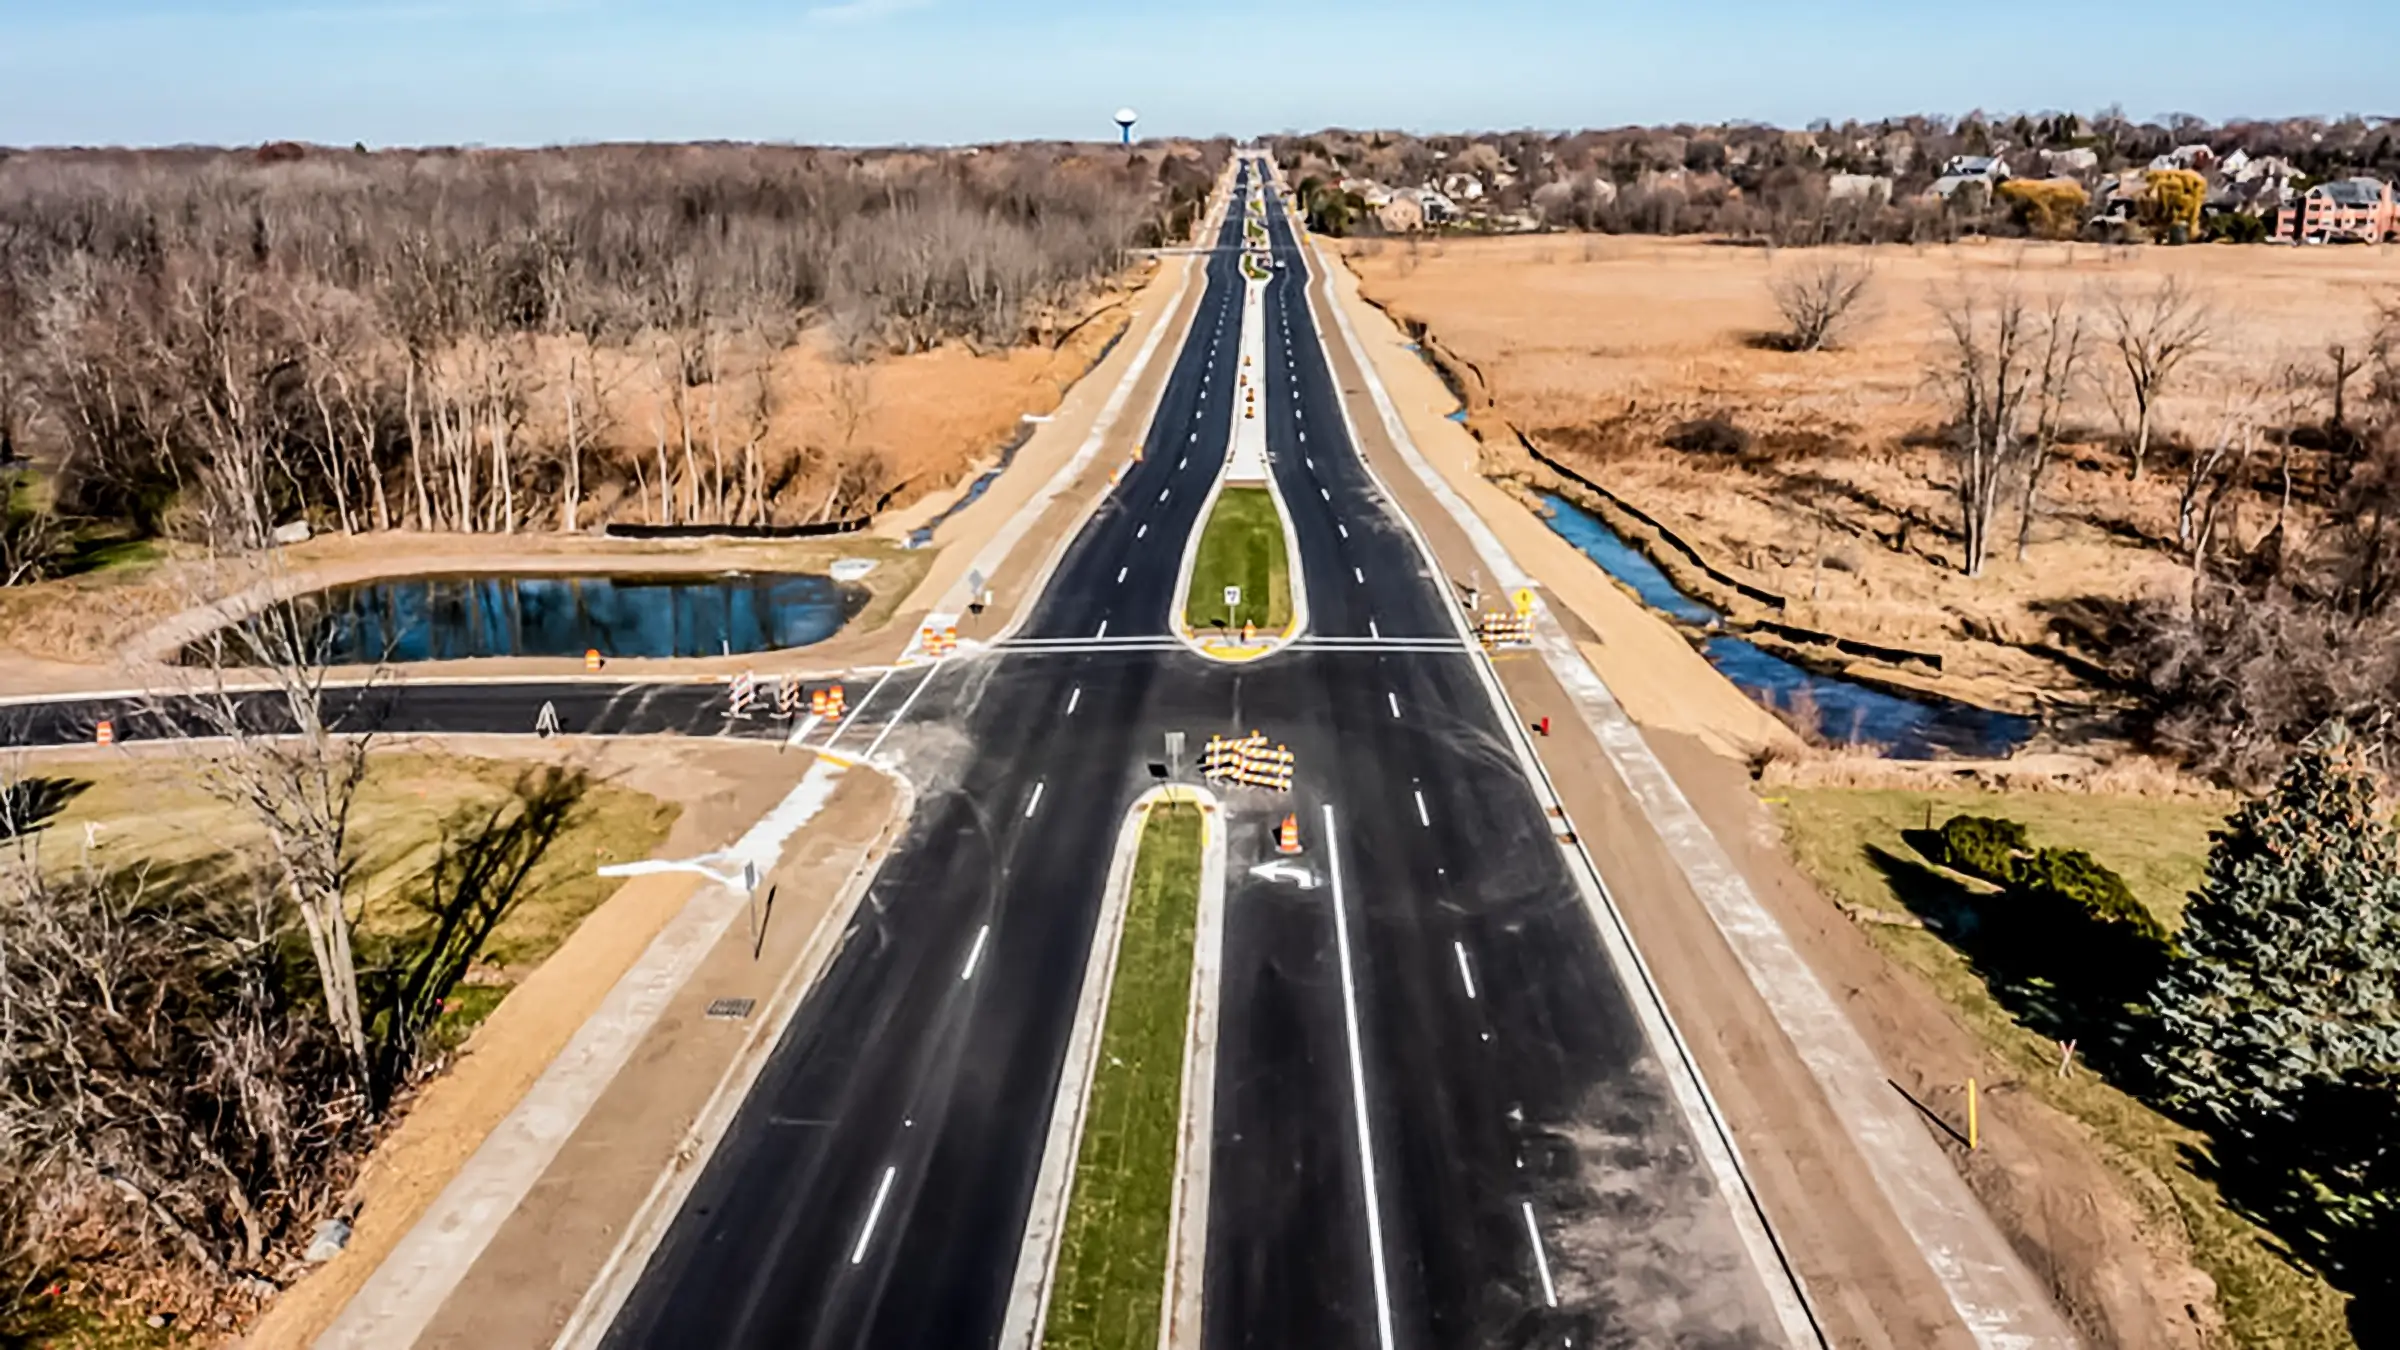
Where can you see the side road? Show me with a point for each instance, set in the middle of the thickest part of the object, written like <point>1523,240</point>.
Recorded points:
<point>1884,1233</point>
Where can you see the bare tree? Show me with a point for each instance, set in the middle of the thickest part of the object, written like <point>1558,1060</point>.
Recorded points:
<point>2216,469</point>
<point>274,745</point>
<point>2065,343</point>
<point>1990,370</point>
<point>2153,333</point>
<point>1818,299</point>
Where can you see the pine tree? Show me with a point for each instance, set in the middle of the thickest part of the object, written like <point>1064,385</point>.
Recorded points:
<point>2289,969</point>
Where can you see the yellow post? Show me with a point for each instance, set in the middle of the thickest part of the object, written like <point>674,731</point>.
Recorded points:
<point>1974,1120</point>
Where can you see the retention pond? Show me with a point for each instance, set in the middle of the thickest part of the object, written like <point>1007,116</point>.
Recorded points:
<point>448,618</point>
<point>1846,711</point>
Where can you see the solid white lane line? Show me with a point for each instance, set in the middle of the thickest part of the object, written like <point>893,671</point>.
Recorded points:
<point>1422,818</point>
<point>1103,631</point>
<point>1358,1093</point>
<point>1465,976</point>
<point>1359,576</point>
<point>1034,802</point>
<point>1394,700</point>
<point>975,954</point>
<point>1074,697</point>
<point>1541,1258</point>
<point>866,1232</point>
<point>1121,575</point>
<point>1142,531</point>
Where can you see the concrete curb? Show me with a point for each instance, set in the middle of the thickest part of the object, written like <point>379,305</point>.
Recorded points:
<point>1179,612</point>
<point>1995,1296</point>
<point>1182,1307</point>
<point>1045,1222</point>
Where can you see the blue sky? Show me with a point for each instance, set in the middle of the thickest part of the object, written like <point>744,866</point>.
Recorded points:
<point>507,72</point>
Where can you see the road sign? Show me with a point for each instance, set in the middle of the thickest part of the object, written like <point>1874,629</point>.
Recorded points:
<point>1233,595</point>
<point>1522,598</point>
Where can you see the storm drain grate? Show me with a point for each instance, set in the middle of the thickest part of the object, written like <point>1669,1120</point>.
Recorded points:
<point>732,1009</point>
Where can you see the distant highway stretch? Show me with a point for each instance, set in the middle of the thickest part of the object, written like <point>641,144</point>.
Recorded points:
<point>1437,1120</point>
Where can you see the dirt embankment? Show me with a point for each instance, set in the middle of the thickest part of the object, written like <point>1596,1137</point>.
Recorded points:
<point>1831,491</point>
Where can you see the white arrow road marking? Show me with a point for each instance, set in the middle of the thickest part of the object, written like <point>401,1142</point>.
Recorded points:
<point>1280,870</point>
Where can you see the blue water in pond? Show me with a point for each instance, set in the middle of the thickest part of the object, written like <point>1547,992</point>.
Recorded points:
<point>447,618</point>
<point>1848,712</point>
<point>1459,416</point>
<point>1623,561</point>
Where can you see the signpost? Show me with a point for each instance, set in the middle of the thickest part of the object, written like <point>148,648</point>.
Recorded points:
<point>1233,597</point>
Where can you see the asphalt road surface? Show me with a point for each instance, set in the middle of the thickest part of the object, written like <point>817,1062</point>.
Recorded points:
<point>1445,1010</point>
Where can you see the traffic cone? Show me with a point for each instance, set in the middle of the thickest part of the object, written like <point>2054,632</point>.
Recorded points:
<point>1287,839</point>
<point>591,658</point>
<point>105,733</point>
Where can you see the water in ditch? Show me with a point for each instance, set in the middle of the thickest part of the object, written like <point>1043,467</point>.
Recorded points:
<point>1847,711</point>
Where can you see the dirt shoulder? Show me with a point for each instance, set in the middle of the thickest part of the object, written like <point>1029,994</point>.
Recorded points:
<point>723,789</point>
<point>1604,348</point>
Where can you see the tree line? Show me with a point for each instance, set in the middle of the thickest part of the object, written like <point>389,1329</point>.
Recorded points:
<point>209,344</point>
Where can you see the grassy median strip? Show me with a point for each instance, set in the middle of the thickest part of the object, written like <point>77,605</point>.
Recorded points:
<point>1242,545</point>
<point>1112,1259</point>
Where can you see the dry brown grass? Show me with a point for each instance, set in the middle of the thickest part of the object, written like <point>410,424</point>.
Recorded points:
<point>1601,345</point>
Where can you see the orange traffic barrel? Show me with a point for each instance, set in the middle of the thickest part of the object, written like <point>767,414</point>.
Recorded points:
<point>591,658</point>
<point>1287,839</point>
<point>105,733</point>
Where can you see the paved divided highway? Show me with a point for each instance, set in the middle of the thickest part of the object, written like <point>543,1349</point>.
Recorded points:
<point>1445,1012</point>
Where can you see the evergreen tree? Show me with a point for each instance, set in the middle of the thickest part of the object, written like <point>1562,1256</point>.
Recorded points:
<point>2290,953</point>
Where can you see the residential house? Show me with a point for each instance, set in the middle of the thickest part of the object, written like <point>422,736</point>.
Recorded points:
<point>1367,190</point>
<point>1401,213</point>
<point>2198,158</point>
<point>1989,170</point>
<point>2352,210</point>
<point>1464,187</point>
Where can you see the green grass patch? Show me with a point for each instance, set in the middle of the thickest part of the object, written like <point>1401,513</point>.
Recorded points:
<point>1112,1260</point>
<point>145,814</point>
<point>2160,847</point>
<point>1242,545</point>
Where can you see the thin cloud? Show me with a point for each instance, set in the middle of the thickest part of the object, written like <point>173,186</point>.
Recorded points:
<point>860,11</point>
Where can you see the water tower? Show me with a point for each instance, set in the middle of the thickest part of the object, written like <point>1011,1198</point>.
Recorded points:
<point>1126,117</point>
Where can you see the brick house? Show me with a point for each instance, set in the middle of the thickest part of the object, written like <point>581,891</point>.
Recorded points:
<point>2351,210</point>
